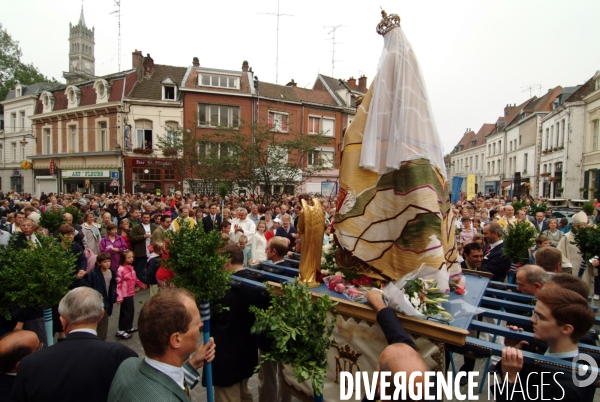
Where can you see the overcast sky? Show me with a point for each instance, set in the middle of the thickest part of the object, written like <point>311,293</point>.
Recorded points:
<point>476,56</point>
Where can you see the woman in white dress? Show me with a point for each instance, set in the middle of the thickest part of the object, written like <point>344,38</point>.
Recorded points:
<point>259,243</point>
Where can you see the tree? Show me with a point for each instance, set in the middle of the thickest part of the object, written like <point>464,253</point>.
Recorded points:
<point>12,69</point>
<point>255,163</point>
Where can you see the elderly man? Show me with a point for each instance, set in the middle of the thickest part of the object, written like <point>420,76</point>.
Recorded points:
<point>81,367</point>
<point>255,215</point>
<point>79,236</point>
<point>140,241</point>
<point>242,226</point>
<point>184,215</point>
<point>572,261</point>
<point>14,346</point>
<point>509,216</point>
<point>540,223</point>
<point>531,279</point>
<point>495,261</point>
<point>26,237</point>
<point>169,327</point>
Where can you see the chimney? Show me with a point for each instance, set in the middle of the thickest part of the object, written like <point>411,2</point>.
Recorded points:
<point>137,61</point>
<point>362,84</point>
<point>245,66</point>
<point>148,66</point>
<point>507,109</point>
<point>291,83</point>
<point>351,83</point>
<point>196,62</point>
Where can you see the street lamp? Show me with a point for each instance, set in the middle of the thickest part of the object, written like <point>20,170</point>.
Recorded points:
<point>24,140</point>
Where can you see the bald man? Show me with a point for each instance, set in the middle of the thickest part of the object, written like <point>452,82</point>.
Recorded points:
<point>401,354</point>
<point>79,237</point>
<point>13,347</point>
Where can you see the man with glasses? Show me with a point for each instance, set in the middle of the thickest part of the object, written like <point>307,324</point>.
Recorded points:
<point>560,319</point>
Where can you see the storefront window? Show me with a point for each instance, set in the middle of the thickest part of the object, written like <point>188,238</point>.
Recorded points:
<point>169,174</point>
<point>139,174</point>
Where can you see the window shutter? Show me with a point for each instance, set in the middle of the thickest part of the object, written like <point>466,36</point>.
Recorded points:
<point>586,179</point>
<point>596,183</point>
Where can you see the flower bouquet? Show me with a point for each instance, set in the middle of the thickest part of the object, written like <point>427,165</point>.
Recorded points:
<point>354,290</point>
<point>425,297</point>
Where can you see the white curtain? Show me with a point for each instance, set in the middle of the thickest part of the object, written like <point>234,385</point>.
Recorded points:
<point>400,125</point>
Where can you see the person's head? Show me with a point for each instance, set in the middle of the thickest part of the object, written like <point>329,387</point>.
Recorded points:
<point>563,222</point>
<point>126,257</point>
<point>509,211</point>
<point>125,225</point>
<point>184,212</point>
<point>479,239</point>
<point>522,215</point>
<point>234,254</point>
<point>158,247</point>
<point>492,232</point>
<point>261,227</point>
<point>552,224</point>
<point>285,221</point>
<point>549,258</point>
<point>14,346</point>
<point>561,313</point>
<point>473,255</point>
<point>225,239</point>
<point>539,216</point>
<point>81,307</point>
<point>169,326</point>
<point>243,241</point>
<point>327,229</point>
<point>580,220</point>
<point>476,223</point>
<point>111,229</point>
<point>276,223</point>
<point>121,210</point>
<point>400,357</point>
<point>107,218</point>
<point>277,248</point>
<point>134,212</point>
<point>66,232</point>
<point>225,227</point>
<point>531,279</point>
<point>567,281</point>
<point>165,221</point>
<point>68,218</point>
<point>145,218</point>
<point>226,213</point>
<point>27,227</point>
<point>542,241</point>
<point>103,260</point>
<point>466,222</point>
<point>254,209</point>
<point>213,208</point>
<point>548,214</point>
<point>242,213</point>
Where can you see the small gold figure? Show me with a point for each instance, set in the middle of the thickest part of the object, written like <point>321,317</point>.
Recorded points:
<point>311,227</point>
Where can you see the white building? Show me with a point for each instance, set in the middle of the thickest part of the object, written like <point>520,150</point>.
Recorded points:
<point>591,158</point>
<point>468,157</point>
<point>561,146</point>
<point>17,142</point>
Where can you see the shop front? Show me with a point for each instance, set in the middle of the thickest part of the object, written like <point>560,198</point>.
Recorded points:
<point>92,181</point>
<point>146,175</point>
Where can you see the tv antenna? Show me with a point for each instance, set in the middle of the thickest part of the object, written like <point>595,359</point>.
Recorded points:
<point>278,14</point>
<point>531,88</point>
<point>333,42</point>
<point>118,12</point>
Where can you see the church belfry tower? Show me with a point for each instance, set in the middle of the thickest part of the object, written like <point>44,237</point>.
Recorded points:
<point>81,52</point>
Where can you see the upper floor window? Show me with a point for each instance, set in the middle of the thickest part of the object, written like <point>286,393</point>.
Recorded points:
<point>22,117</point>
<point>221,81</point>
<point>143,132</point>
<point>319,124</point>
<point>595,137</point>
<point>72,140</point>
<point>18,92</point>
<point>48,141</point>
<point>170,130</point>
<point>14,151</point>
<point>168,92</point>
<point>218,116</point>
<point>13,119</point>
<point>102,139</point>
<point>278,121</point>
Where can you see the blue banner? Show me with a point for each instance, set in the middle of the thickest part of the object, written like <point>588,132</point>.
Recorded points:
<point>456,185</point>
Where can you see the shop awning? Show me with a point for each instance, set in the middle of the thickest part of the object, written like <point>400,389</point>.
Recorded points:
<point>505,183</point>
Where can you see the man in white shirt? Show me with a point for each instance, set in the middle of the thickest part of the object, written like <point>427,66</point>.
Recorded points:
<point>165,373</point>
<point>242,226</point>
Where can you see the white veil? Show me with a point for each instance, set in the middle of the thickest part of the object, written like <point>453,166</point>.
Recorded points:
<point>400,125</point>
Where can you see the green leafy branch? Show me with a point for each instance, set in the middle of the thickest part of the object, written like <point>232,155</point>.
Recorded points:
<point>518,238</point>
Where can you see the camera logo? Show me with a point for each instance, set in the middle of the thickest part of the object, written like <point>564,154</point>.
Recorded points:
<point>586,373</point>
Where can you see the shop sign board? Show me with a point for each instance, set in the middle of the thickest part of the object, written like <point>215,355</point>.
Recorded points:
<point>150,162</point>
<point>86,173</point>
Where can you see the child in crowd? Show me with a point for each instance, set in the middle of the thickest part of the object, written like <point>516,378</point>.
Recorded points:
<point>101,278</point>
<point>243,243</point>
<point>225,227</point>
<point>126,283</point>
<point>326,236</point>
<point>541,241</point>
<point>226,239</point>
<point>153,265</point>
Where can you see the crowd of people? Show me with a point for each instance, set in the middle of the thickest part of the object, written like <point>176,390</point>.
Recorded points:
<point>121,245</point>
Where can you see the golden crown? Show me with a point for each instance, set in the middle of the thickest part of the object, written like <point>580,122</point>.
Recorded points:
<point>388,22</point>
<point>347,352</point>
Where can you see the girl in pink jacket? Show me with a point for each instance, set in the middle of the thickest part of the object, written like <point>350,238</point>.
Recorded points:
<point>126,282</point>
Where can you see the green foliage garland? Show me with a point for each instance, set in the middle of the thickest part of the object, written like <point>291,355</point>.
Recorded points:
<point>517,205</point>
<point>588,241</point>
<point>197,263</point>
<point>35,277</point>
<point>299,328</point>
<point>77,215</point>
<point>588,208</point>
<point>535,208</point>
<point>52,220</point>
<point>518,238</point>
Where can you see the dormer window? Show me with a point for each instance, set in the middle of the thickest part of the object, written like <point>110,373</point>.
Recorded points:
<point>169,89</point>
<point>18,93</point>
<point>218,80</point>
<point>102,89</point>
<point>73,96</point>
<point>47,101</point>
